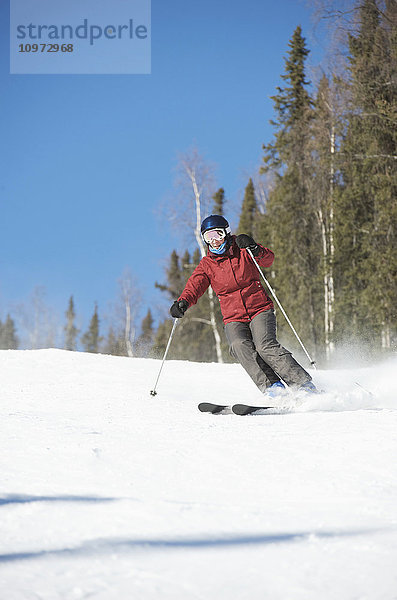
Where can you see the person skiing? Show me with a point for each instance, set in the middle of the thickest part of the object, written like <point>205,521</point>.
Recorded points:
<point>247,310</point>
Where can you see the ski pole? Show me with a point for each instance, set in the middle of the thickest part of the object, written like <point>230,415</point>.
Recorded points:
<point>273,293</point>
<point>153,391</point>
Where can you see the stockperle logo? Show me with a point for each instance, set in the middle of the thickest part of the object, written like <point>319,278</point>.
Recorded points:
<point>80,37</point>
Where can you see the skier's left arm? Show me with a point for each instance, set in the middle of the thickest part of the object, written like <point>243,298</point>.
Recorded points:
<point>263,256</point>
<point>196,285</point>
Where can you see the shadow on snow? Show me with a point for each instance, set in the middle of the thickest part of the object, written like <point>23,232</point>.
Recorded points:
<point>101,546</point>
<point>21,499</point>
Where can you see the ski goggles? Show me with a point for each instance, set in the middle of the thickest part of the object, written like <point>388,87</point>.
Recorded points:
<point>214,235</point>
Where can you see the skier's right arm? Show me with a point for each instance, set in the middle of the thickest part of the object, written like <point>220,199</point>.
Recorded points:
<point>195,287</point>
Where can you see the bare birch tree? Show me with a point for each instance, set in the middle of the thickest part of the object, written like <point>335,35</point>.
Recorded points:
<point>124,314</point>
<point>322,190</point>
<point>37,321</point>
<point>196,183</point>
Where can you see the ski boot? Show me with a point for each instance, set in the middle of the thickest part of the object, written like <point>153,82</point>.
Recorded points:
<point>308,387</point>
<point>276,389</point>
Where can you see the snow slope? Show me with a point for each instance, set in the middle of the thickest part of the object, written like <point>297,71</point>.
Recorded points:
<point>108,493</point>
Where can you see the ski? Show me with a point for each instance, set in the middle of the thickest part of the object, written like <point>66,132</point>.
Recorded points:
<point>224,409</point>
<point>245,409</point>
<point>214,409</point>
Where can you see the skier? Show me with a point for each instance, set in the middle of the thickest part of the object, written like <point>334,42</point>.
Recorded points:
<point>248,312</point>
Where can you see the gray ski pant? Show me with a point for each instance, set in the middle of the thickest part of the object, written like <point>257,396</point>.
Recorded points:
<point>255,346</point>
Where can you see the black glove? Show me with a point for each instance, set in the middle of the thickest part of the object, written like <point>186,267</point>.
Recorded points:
<point>178,309</point>
<point>246,241</point>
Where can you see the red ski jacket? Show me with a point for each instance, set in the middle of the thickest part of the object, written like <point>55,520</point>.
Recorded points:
<point>235,280</point>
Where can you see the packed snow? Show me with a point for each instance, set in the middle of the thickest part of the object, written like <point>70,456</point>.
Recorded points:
<point>110,493</point>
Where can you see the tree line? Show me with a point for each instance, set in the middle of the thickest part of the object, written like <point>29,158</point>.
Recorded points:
<point>324,200</point>
<point>119,341</point>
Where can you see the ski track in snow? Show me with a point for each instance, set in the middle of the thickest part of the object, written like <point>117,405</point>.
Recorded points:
<point>109,493</point>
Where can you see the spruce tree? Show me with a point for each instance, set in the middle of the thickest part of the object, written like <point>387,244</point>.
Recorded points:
<point>291,217</point>
<point>145,341</point>
<point>8,336</point>
<point>114,344</point>
<point>91,338</point>
<point>71,331</point>
<point>219,202</point>
<point>292,106</point>
<point>175,279</point>
<point>366,212</point>
<point>248,211</point>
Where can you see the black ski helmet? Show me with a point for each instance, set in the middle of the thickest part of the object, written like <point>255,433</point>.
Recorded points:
<point>215,222</point>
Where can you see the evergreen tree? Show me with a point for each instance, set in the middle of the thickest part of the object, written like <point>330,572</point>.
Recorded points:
<point>8,337</point>
<point>114,344</point>
<point>175,279</point>
<point>91,338</point>
<point>145,341</point>
<point>186,267</point>
<point>291,104</point>
<point>219,202</point>
<point>248,211</point>
<point>290,214</point>
<point>366,211</point>
<point>147,326</point>
<point>71,331</point>
<point>195,259</point>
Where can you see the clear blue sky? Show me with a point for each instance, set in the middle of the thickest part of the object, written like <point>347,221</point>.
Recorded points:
<point>85,160</point>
